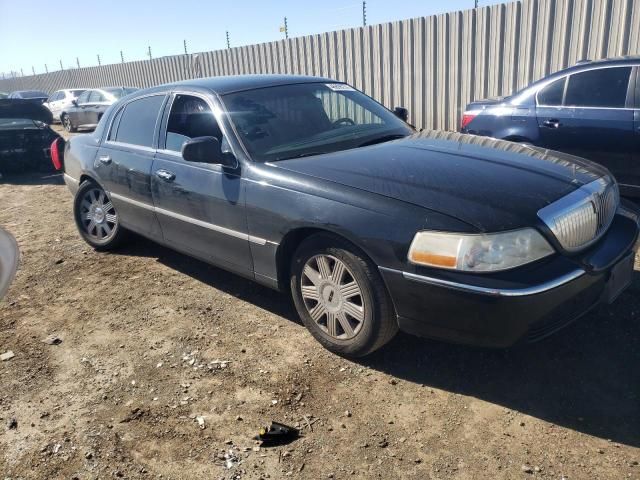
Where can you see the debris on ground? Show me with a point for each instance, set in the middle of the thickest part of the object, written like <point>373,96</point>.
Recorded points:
<point>200,420</point>
<point>52,340</point>
<point>12,424</point>
<point>7,356</point>
<point>277,434</point>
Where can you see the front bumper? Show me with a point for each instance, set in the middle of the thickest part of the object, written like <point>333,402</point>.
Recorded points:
<point>528,303</point>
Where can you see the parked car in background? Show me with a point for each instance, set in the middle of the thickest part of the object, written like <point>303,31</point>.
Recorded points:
<point>35,96</point>
<point>3,95</point>
<point>61,100</point>
<point>590,110</point>
<point>309,186</point>
<point>87,110</point>
<point>25,137</point>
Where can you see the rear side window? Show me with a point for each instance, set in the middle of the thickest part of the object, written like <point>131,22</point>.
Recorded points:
<point>83,98</point>
<point>138,121</point>
<point>606,87</point>
<point>552,94</point>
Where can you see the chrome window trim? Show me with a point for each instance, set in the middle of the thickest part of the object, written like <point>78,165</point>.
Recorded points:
<point>493,292</point>
<point>130,145</point>
<point>194,221</point>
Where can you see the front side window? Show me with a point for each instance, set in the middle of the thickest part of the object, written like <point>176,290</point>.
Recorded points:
<point>190,117</point>
<point>76,93</point>
<point>306,119</point>
<point>552,94</point>
<point>138,121</point>
<point>605,87</point>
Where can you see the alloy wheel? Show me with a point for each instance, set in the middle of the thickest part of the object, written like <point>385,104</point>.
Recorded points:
<point>332,296</point>
<point>67,123</point>
<point>98,215</point>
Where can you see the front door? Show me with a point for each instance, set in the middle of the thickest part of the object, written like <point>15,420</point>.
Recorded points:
<point>594,120</point>
<point>124,163</point>
<point>77,113</point>
<point>200,206</point>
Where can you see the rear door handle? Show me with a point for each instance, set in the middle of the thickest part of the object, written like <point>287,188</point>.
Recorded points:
<point>105,159</point>
<point>166,175</point>
<point>552,123</point>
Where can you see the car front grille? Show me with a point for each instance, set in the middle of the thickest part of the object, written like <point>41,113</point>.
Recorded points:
<point>582,217</point>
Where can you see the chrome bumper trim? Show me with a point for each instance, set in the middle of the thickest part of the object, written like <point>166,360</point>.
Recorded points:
<point>494,292</point>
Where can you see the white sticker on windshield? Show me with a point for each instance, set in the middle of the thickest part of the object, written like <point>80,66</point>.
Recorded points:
<point>340,87</point>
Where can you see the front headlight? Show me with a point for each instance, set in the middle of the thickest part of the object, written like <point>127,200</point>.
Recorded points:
<point>480,252</point>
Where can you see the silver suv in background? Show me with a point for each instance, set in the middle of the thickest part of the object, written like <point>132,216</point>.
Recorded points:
<point>60,100</point>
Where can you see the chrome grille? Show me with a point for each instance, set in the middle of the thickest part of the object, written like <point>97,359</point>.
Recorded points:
<point>580,218</point>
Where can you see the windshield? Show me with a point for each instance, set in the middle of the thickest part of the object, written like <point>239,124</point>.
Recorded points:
<point>32,94</point>
<point>290,121</point>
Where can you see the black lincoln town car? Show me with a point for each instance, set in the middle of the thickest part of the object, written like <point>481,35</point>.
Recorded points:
<point>307,185</point>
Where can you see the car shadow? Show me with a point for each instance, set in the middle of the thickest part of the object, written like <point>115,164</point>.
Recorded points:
<point>585,377</point>
<point>230,283</point>
<point>31,178</point>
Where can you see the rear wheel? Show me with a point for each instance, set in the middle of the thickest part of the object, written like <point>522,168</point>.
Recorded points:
<point>96,217</point>
<point>66,122</point>
<point>340,297</point>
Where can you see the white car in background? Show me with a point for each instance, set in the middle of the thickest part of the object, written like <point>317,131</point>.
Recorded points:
<point>61,100</point>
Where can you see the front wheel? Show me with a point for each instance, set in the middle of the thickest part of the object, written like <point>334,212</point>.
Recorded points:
<point>96,217</point>
<point>341,297</point>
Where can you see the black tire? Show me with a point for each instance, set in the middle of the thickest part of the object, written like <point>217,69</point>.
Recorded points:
<point>94,232</point>
<point>67,123</point>
<point>379,323</point>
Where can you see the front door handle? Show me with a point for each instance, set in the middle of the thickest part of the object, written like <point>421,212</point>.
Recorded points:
<point>166,175</point>
<point>105,159</point>
<point>552,123</point>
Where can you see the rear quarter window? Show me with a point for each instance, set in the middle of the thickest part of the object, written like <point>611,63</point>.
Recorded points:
<point>552,94</point>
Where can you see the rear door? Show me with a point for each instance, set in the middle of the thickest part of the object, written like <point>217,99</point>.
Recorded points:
<point>125,159</point>
<point>200,206</point>
<point>595,120</point>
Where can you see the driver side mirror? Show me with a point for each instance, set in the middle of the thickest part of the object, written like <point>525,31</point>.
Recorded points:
<point>402,113</point>
<point>74,102</point>
<point>207,150</point>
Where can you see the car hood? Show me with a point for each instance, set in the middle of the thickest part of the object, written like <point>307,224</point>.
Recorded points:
<point>24,109</point>
<point>490,184</point>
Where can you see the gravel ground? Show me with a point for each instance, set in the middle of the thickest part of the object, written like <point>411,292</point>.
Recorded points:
<point>151,343</point>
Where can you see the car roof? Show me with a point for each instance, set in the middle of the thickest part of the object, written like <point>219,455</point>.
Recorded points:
<point>580,66</point>
<point>590,64</point>
<point>238,83</point>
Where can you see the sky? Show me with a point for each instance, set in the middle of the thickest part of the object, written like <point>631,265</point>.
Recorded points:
<point>38,32</point>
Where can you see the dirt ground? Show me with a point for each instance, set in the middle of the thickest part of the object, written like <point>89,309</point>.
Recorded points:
<point>153,343</point>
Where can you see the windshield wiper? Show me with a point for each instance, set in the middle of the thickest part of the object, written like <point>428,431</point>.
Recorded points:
<point>384,138</point>
<point>300,155</point>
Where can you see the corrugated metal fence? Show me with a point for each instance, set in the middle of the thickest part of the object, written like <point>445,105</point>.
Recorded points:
<point>432,65</point>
